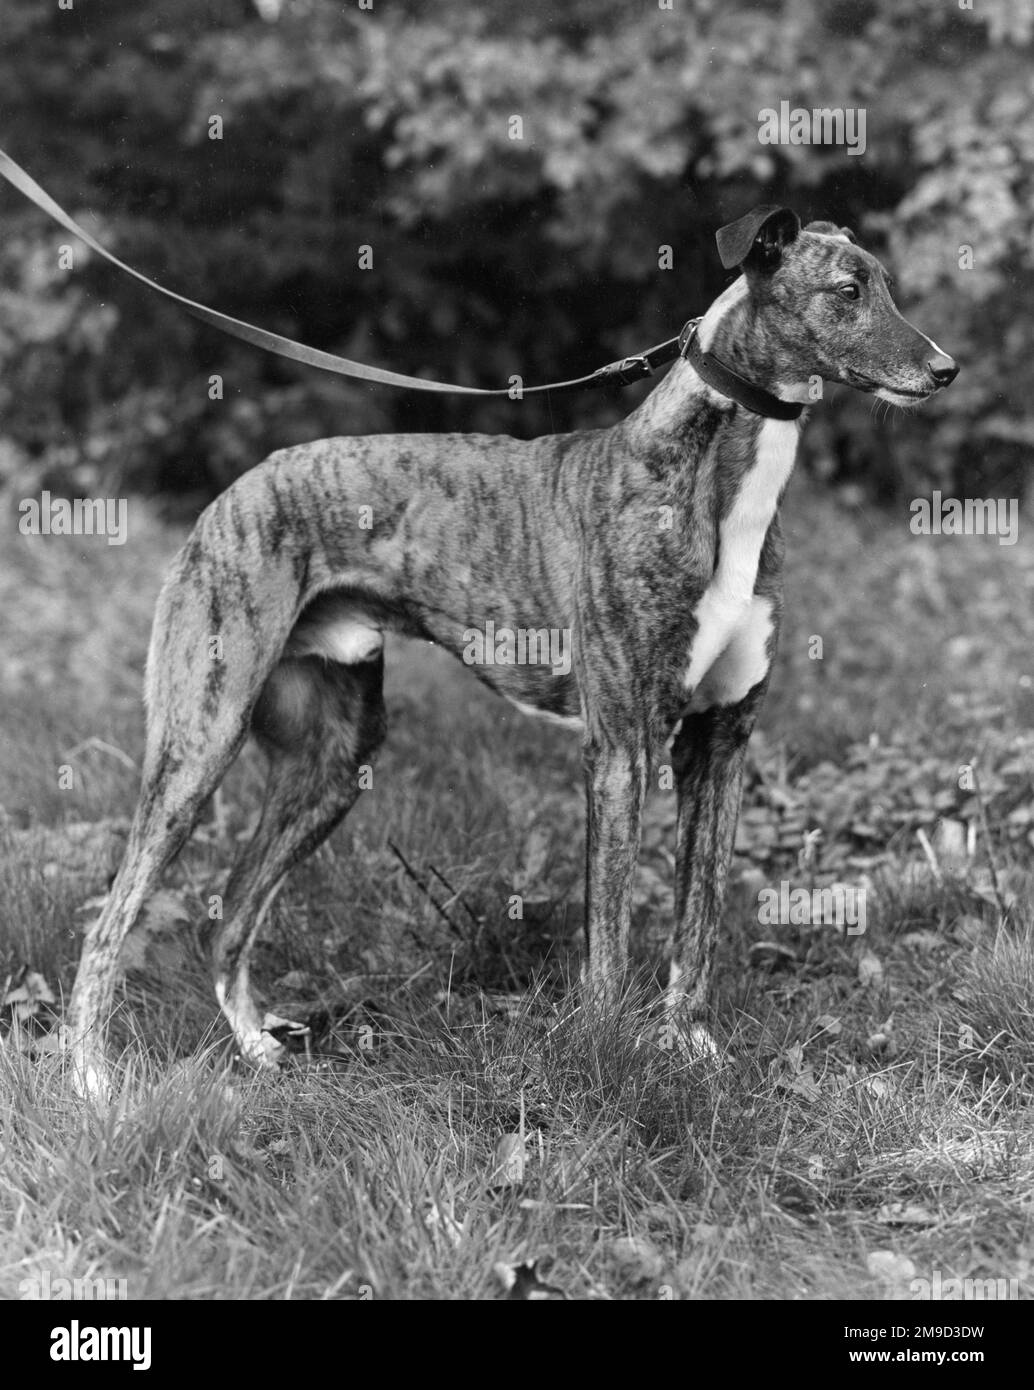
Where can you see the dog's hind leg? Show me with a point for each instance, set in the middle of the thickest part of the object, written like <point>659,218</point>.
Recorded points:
<point>216,636</point>
<point>187,757</point>
<point>320,722</point>
<point>170,803</point>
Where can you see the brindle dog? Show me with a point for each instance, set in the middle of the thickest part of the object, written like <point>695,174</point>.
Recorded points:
<point>654,545</point>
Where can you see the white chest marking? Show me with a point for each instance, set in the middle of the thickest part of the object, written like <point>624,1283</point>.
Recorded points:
<point>725,605</point>
<point>742,664</point>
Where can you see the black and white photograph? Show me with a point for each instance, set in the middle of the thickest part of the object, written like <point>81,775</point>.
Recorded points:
<point>516,665</point>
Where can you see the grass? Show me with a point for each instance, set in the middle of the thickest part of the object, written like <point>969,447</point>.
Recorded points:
<point>872,1121</point>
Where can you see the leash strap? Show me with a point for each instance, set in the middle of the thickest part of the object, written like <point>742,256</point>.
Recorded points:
<point>723,379</point>
<point>614,374</point>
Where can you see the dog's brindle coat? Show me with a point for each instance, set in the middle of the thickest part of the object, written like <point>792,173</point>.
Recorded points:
<point>273,616</point>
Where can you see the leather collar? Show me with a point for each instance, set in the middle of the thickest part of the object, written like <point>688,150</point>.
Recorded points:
<point>726,382</point>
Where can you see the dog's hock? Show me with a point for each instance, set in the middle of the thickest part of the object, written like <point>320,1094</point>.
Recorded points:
<point>760,236</point>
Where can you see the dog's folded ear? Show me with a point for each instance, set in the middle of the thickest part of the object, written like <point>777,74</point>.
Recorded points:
<point>759,237</point>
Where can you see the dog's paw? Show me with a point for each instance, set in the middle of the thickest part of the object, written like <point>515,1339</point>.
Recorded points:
<point>262,1051</point>
<point>286,1033</point>
<point>89,1072</point>
<point>690,1041</point>
<point>697,1043</point>
<point>267,1046</point>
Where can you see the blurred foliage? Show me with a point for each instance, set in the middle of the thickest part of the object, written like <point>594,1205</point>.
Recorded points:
<point>389,127</point>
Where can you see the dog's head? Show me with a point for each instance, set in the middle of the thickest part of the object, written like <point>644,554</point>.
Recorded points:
<point>824,306</point>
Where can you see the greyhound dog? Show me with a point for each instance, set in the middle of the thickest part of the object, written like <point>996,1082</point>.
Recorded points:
<point>653,548</point>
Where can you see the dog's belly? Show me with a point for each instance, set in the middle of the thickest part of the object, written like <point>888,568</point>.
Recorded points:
<point>539,693</point>
<point>528,671</point>
<point>562,721</point>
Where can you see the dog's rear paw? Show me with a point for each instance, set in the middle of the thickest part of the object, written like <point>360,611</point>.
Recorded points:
<point>690,1041</point>
<point>90,1075</point>
<point>268,1047</point>
<point>286,1033</point>
<point>697,1042</point>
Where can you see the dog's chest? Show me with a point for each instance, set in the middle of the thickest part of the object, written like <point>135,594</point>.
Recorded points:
<point>729,649</point>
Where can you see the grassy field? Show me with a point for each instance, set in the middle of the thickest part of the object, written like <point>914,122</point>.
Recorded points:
<point>872,1122</point>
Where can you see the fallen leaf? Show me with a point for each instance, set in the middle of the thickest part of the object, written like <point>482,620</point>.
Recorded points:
<point>950,843</point>
<point>28,993</point>
<point>790,1072</point>
<point>805,1085</point>
<point>968,930</point>
<point>637,1258</point>
<point>889,1267</point>
<point>905,1214</point>
<point>879,1087</point>
<point>922,940</point>
<point>443,1223</point>
<point>511,1156</point>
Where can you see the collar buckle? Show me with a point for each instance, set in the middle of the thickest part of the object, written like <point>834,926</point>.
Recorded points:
<point>626,371</point>
<point>687,334</point>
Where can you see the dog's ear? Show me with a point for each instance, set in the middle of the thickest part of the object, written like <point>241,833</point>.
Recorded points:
<point>831,229</point>
<point>758,238</point>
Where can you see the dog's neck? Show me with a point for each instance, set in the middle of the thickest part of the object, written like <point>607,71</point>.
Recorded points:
<point>734,331</point>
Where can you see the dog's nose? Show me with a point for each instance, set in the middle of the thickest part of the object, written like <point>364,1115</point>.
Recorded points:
<point>943,369</point>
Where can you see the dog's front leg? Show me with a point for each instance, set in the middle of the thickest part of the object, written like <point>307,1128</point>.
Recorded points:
<point>707,758</point>
<point>616,786</point>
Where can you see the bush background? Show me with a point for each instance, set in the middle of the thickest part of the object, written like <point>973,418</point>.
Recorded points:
<point>345,127</point>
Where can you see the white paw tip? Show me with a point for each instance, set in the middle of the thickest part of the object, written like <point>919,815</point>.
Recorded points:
<point>699,1043</point>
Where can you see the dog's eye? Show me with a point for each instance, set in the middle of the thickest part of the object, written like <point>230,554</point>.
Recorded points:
<point>849,291</point>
